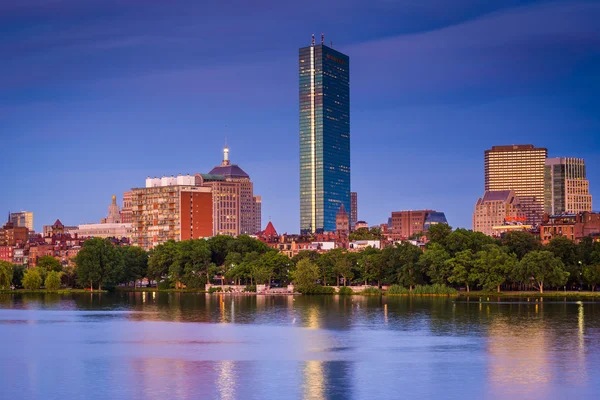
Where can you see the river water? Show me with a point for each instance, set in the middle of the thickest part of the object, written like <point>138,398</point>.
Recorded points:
<point>181,345</point>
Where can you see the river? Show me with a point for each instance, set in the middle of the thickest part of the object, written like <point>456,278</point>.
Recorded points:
<point>183,345</point>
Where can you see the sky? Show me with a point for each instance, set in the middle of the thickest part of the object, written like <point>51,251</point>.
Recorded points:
<point>97,95</point>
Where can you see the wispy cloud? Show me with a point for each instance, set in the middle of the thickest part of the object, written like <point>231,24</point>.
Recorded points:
<point>509,47</point>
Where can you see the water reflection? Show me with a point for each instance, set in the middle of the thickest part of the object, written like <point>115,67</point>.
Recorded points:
<point>226,379</point>
<point>168,345</point>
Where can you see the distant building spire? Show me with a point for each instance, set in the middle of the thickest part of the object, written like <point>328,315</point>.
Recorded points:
<point>226,155</point>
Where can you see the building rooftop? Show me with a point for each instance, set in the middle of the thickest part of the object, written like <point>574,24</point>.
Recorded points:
<point>229,171</point>
<point>496,195</point>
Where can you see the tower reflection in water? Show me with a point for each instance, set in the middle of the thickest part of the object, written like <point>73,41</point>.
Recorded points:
<point>523,348</point>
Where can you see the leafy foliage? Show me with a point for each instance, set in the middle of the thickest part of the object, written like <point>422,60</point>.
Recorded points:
<point>6,274</point>
<point>52,281</point>
<point>32,279</point>
<point>99,262</point>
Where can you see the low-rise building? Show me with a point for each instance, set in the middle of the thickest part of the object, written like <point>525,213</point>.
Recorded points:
<point>405,224</point>
<point>106,230</point>
<point>363,244</point>
<point>572,226</point>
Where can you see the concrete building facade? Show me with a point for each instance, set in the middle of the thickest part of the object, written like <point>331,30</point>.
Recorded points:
<point>566,188</point>
<point>407,223</point>
<point>572,226</point>
<point>496,209</point>
<point>166,210</point>
<point>519,168</point>
<point>22,219</point>
<point>240,211</point>
<point>126,211</point>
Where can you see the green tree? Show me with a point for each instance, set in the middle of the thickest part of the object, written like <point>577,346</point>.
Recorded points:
<point>49,263</point>
<point>591,274</point>
<point>6,274</point>
<point>52,281</point>
<point>438,233</point>
<point>306,274</point>
<point>492,267</point>
<point>98,262</point>
<point>402,261</point>
<point>460,267</point>
<point>365,234</point>
<point>219,247</point>
<point>540,268</point>
<point>463,239</point>
<point>135,264</point>
<point>433,262</point>
<point>32,279</point>
<point>326,263</point>
<point>520,243</point>
<point>278,264</point>
<point>372,265</point>
<point>342,265</point>
<point>17,278</point>
<point>565,249</point>
<point>160,260</point>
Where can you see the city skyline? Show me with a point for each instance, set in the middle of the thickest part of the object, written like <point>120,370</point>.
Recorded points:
<point>420,110</point>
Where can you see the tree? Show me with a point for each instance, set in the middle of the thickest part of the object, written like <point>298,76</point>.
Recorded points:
<point>433,262</point>
<point>277,263</point>
<point>372,265</point>
<point>365,234</point>
<point>306,274</point>
<point>342,266</point>
<point>460,268</point>
<point>219,247</point>
<point>32,279</point>
<point>135,264</point>
<point>591,274</point>
<point>492,267</point>
<point>541,267</point>
<point>521,243</point>
<point>326,262</point>
<point>49,263</point>
<point>438,233</point>
<point>402,261</point>
<point>98,262</point>
<point>565,249</point>
<point>463,239</point>
<point>6,274</point>
<point>52,281</point>
<point>17,278</point>
<point>160,260</point>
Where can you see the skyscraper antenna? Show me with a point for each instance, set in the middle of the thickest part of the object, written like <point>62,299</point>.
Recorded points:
<point>313,39</point>
<point>331,44</point>
<point>322,38</point>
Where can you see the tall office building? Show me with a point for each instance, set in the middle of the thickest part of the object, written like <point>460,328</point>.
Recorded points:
<point>23,219</point>
<point>566,187</point>
<point>324,136</point>
<point>353,209</point>
<point>519,168</point>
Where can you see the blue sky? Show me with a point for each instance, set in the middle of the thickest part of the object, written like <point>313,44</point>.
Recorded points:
<point>97,95</point>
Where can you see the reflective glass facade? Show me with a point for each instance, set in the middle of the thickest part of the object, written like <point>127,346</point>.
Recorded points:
<point>566,187</point>
<point>324,137</point>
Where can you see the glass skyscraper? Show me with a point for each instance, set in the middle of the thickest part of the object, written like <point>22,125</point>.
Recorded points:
<point>324,136</point>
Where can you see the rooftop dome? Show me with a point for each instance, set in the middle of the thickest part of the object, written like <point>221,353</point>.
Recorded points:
<point>229,171</point>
